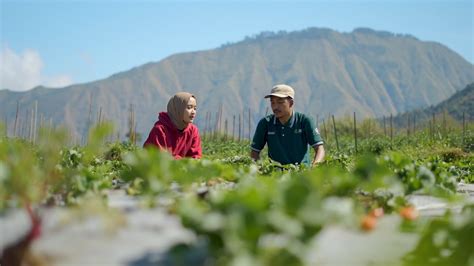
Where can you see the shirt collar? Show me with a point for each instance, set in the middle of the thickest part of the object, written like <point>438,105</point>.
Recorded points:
<point>290,121</point>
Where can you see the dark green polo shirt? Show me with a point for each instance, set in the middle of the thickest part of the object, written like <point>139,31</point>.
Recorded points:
<point>287,144</point>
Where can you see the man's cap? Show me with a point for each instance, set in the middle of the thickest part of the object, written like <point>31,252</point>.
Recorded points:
<point>282,91</point>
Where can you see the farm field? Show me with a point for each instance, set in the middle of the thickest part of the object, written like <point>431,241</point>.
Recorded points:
<point>407,199</point>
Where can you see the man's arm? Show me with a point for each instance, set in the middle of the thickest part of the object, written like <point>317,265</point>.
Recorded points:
<point>255,155</point>
<point>318,154</point>
<point>259,140</point>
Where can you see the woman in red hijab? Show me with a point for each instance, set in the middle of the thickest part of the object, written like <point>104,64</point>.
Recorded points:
<point>174,130</point>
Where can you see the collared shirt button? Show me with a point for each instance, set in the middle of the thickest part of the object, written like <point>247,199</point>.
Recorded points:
<point>283,135</point>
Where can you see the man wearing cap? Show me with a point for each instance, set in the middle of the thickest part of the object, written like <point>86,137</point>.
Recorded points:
<point>287,133</point>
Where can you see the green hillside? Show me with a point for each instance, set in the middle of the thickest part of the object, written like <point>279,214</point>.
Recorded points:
<point>459,105</point>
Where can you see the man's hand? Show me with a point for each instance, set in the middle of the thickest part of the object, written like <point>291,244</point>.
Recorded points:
<point>255,155</point>
<point>318,155</point>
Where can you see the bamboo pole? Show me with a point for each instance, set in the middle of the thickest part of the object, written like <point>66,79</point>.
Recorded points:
<point>134,133</point>
<point>414,124</point>
<point>206,125</point>
<point>368,127</point>
<point>35,122</point>
<point>225,129</point>
<point>131,125</point>
<point>335,132</point>
<point>19,126</point>
<point>429,129</point>
<point>16,118</point>
<point>24,126</point>
<point>391,130</point>
<point>408,125</point>
<point>233,127</point>
<point>6,126</point>
<point>444,124</point>
<point>89,119</point>
<point>220,119</point>
<point>463,129</point>
<point>240,127</point>
<point>384,127</point>
<point>250,124</point>
<point>216,126</point>
<point>355,132</point>
<point>99,117</point>
<point>325,132</point>
<point>30,133</point>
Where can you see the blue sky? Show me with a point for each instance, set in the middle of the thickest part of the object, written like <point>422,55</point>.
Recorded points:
<point>57,43</point>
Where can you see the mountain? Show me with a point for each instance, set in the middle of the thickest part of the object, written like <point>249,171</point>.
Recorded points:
<point>458,105</point>
<point>373,73</point>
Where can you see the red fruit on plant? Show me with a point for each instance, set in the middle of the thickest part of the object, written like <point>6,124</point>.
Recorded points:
<point>368,223</point>
<point>377,213</point>
<point>409,213</point>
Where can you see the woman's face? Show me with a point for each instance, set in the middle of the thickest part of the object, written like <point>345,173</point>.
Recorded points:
<point>190,111</point>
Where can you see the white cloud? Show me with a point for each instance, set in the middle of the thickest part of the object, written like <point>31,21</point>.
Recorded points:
<point>20,72</point>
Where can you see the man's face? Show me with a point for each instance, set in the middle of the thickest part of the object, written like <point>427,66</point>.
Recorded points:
<point>281,107</point>
<point>190,111</point>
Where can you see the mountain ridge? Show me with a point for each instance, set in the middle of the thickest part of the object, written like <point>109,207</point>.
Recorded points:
<point>373,73</point>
